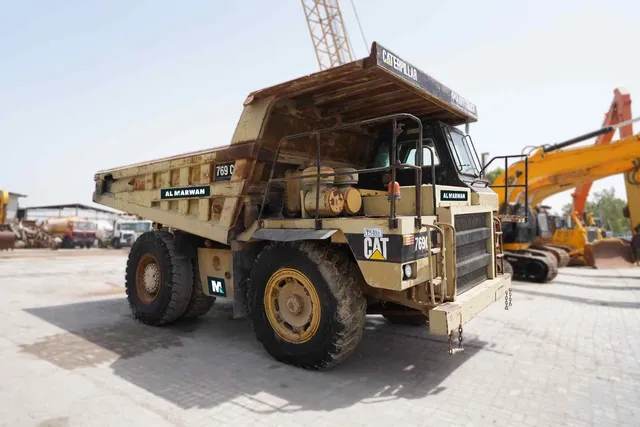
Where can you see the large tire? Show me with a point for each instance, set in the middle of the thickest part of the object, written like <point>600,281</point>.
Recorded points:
<point>116,243</point>
<point>159,279</point>
<point>200,302</point>
<point>336,315</point>
<point>66,243</point>
<point>413,317</point>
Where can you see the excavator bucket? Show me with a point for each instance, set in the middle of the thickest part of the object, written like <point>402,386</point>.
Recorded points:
<point>609,253</point>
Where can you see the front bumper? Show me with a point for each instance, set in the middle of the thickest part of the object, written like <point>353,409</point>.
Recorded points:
<point>448,316</point>
<point>127,240</point>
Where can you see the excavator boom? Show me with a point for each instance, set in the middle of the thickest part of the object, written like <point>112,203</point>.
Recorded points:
<point>619,111</point>
<point>554,167</point>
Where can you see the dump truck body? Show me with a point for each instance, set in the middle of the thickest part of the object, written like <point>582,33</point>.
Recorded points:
<point>346,191</point>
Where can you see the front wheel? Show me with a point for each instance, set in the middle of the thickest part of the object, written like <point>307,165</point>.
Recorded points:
<point>306,304</point>
<point>159,279</point>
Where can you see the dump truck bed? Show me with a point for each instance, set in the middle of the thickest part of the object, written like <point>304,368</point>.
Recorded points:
<point>203,192</point>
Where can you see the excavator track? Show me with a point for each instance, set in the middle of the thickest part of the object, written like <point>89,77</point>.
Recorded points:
<point>532,265</point>
<point>560,254</point>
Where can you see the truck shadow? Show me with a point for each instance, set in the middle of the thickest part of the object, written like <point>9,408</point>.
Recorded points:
<point>215,360</point>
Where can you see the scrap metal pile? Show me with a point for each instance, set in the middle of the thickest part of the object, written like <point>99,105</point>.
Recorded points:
<point>26,234</point>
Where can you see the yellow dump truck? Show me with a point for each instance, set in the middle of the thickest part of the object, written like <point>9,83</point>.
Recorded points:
<point>345,192</point>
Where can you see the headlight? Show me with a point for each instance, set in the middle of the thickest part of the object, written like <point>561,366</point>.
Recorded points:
<point>408,271</point>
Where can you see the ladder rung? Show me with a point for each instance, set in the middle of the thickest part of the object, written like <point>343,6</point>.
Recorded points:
<point>499,233</point>
<point>499,255</point>
<point>437,281</point>
<point>435,250</point>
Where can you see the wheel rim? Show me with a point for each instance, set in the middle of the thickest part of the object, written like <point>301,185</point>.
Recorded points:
<point>292,305</point>
<point>148,279</point>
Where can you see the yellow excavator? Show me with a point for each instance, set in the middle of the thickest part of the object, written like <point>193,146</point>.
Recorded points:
<point>586,240</point>
<point>552,169</point>
<point>576,238</point>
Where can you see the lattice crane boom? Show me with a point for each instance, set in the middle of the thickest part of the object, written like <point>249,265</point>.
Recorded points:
<point>328,33</point>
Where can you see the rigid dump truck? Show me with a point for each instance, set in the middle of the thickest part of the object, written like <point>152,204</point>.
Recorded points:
<point>74,231</point>
<point>345,192</point>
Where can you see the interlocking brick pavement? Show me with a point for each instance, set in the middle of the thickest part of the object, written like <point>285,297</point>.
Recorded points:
<point>565,354</point>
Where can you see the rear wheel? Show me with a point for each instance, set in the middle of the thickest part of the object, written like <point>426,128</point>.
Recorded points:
<point>67,243</point>
<point>159,279</point>
<point>200,302</point>
<point>306,304</point>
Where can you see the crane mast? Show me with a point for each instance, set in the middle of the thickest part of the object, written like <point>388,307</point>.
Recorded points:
<point>328,33</point>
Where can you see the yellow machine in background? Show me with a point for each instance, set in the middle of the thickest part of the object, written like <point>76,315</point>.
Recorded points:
<point>7,237</point>
<point>576,239</point>
<point>4,201</point>
<point>554,169</point>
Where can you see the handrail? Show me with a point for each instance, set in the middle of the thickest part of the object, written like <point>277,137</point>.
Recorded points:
<point>498,241</point>
<point>442,247</point>
<point>506,185</point>
<point>394,165</point>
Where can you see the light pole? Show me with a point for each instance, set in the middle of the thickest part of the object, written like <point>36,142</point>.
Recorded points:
<point>484,163</point>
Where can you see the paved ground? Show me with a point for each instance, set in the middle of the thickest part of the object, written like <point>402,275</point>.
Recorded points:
<point>566,354</point>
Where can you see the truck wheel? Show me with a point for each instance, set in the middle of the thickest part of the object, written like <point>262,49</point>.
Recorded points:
<point>412,318</point>
<point>306,304</point>
<point>66,243</point>
<point>200,302</point>
<point>159,279</point>
<point>116,243</point>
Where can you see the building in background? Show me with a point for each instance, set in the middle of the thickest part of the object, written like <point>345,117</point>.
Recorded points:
<point>42,213</point>
<point>12,207</point>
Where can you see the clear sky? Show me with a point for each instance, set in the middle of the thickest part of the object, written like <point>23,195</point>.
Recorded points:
<point>92,85</point>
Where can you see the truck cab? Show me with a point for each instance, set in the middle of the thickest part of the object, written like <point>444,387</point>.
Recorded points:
<point>125,232</point>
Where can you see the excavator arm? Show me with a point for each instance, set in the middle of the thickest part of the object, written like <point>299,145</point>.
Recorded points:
<point>578,178</point>
<point>552,172</point>
<point>619,112</point>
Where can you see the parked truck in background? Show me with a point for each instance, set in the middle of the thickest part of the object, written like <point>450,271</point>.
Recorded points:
<point>345,192</point>
<point>122,232</point>
<point>74,231</point>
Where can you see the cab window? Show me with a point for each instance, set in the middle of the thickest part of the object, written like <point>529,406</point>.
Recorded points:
<point>426,155</point>
<point>407,153</point>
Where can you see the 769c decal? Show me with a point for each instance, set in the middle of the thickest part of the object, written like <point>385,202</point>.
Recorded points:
<point>224,171</point>
<point>421,243</point>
